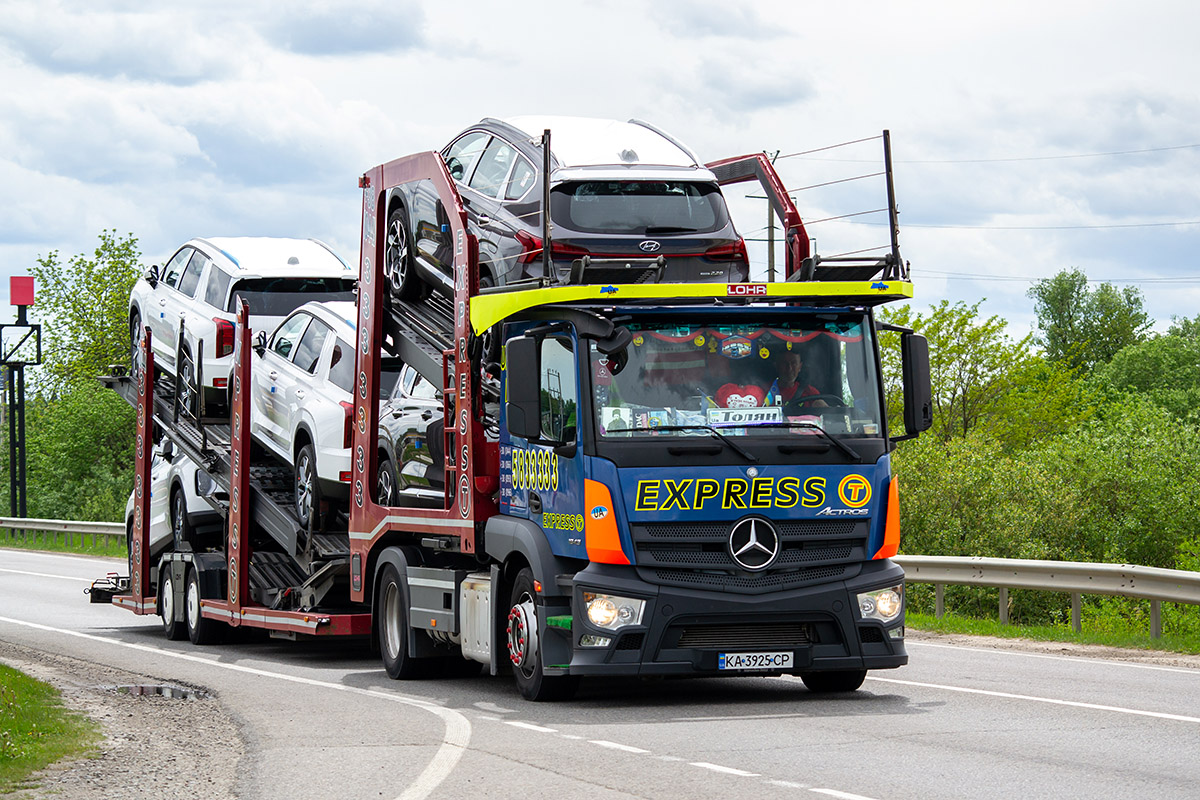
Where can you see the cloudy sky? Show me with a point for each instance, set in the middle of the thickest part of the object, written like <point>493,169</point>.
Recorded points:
<point>1028,137</point>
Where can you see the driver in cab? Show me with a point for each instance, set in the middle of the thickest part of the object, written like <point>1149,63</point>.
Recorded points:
<point>791,386</point>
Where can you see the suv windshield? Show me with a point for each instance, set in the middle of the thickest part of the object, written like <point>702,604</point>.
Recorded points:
<point>278,297</point>
<point>774,379</point>
<point>638,207</point>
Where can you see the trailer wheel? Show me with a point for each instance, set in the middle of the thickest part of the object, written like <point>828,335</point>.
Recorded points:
<point>200,630</point>
<point>524,650</point>
<point>847,680</point>
<point>308,487</point>
<point>392,619</point>
<point>402,280</point>
<point>166,593</point>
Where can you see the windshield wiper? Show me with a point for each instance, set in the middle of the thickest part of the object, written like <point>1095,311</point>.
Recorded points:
<point>732,444</point>
<point>845,448</point>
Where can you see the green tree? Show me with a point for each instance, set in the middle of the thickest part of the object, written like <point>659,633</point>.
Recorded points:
<point>1084,327</point>
<point>84,307</point>
<point>1164,369</point>
<point>971,361</point>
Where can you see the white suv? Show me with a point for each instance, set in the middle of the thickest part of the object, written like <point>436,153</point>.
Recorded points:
<point>200,288</point>
<point>178,514</point>
<point>302,403</point>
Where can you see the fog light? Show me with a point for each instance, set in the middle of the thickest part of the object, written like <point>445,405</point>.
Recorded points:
<point>896,633</point>
<point>594,641</point>
<point>611,611</point>
<point>884,605</point>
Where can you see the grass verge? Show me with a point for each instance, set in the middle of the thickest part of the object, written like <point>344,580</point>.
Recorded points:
<point>51,543</point>
<point>1112,634</point>
<point>36,729</point>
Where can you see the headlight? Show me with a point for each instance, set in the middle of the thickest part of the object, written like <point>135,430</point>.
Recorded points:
<point>884,605</point>
<point>611,612</point>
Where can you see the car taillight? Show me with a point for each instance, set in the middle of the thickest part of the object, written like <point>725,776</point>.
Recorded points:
<point>225,330</point>
<point>560,250</point>
<point>733,251</point>
<point>531,247</point>
<point>348,431</point>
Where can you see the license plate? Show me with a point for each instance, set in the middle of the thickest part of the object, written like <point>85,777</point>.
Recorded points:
<point>754,660</point>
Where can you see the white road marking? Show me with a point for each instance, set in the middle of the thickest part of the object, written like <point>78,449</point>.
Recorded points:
<point>454,741</point>
<point>843,795</point>
<point>1072,659</point>
<point>789,784</point>
<point>1050,700</point>
<point>45,575</point>
<point>726,770</point>
<point>492,708</point>
<point>622,747</point>
<point>528,726</point>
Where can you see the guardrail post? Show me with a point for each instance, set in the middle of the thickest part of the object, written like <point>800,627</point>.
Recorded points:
<point>1155,619</point>
<point>1003,605</point>
<point>939,600</point>
<point>1076,612</point>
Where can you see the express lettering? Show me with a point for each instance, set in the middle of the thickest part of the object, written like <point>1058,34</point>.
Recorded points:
<point>695,494</point>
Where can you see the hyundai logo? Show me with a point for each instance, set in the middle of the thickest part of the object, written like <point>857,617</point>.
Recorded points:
<point>650,246</point>
<point>754,544</point>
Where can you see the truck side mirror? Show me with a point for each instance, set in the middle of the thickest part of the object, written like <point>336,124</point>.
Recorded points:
<point>152,276</point>
<point>918,392</point>
<point>523,408</point>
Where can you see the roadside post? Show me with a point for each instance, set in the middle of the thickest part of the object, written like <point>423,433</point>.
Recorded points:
<point>20,345</point>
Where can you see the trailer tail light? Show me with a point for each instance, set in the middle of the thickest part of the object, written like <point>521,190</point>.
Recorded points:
<point>348,430</point>
<point>225,330</point>
<point>733,251</point>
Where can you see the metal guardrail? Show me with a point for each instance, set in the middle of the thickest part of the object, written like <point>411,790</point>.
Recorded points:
<point>1122,580</point>
<point>28,530</point>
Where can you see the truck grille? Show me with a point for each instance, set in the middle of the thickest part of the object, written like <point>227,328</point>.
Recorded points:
<point>696,555</point>
<point>752,636</point>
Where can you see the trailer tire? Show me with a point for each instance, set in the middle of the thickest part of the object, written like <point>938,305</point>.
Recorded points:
<point>524,650</point>
<point>392,621</point>
<point>174,629</point>
<point>200,630</point>
<point>842,680</point>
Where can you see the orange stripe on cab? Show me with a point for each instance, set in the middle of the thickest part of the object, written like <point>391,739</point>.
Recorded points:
<point>891,530</point>
<point>601,536</point>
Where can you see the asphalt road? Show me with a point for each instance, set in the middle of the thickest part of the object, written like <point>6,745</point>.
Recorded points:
<point>323,720</point>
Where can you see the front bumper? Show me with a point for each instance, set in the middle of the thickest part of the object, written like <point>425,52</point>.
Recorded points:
<point>684,631</point>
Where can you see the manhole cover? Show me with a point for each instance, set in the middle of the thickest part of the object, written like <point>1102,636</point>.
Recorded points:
<point>161,690</point>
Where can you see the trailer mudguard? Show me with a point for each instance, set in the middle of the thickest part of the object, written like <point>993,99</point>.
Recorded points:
<point>402,558</point>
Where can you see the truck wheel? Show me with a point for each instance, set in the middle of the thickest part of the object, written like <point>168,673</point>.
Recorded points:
<point>391,616</point>
<point>201,630</point>
<point>385,483</point>
<point>308,488</point>
<point>181,525</point>
<point>524,650</point>
<point>834,681</point>
<point>166,593</point>
<point>402,280</point>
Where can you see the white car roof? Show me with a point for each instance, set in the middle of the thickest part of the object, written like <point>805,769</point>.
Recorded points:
<point>270,257</point>
<point>342,315</point>
<point>587,141</point>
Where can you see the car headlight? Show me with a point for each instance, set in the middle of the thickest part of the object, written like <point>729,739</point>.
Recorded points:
<point>609,611</point>
<point>884,605</point>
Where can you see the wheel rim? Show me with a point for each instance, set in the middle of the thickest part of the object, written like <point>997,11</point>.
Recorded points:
<point>384,484</point>
<point>177,516</point>
<point>193,605</point>
<point>135,349</point>
<point>391,621</point>
<point>304,488</point>
<point>397,254</point>
<point>168,597</point>
<point>186,377</point>
<point>522,635</point>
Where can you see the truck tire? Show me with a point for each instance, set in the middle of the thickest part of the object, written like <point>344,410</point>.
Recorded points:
<point>174,629</point>
<point>524,650</point>
<point>200,630</point>
<point>391,618</point>
<point>402,279</point>
<point>847,680</point>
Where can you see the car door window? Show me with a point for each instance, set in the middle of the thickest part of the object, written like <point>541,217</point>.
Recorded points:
<point>175,267</point>
<point>288,336</point>
<point>191,276</point>
<point>493,167</point>
<point>521,180</point>
<point>308,352</point>
<point>463,153</point>
<point>416,387</point>
<point>216,288</point>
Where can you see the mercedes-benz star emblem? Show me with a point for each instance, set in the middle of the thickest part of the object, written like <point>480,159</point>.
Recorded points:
<point>754,544</point>
<point>649,246</point>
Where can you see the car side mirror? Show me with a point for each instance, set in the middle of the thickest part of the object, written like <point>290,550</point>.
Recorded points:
<point>167,450</point>
<point>455,167</point>
<point>152,276</point>
<point>260,342</point>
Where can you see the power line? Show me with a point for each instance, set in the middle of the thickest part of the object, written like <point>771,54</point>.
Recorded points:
<point>978,276</point>
<point>1035,227</point>
<point>1011,159</point>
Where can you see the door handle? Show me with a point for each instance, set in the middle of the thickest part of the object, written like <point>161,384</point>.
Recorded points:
<point>535,503</point>
<point>484,219</point>
<point>427,415</point>
<point>300,393</point>
<point>272,374</point>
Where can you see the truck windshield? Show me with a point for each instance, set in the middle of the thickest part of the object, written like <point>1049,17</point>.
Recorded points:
<point>772,379</point>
